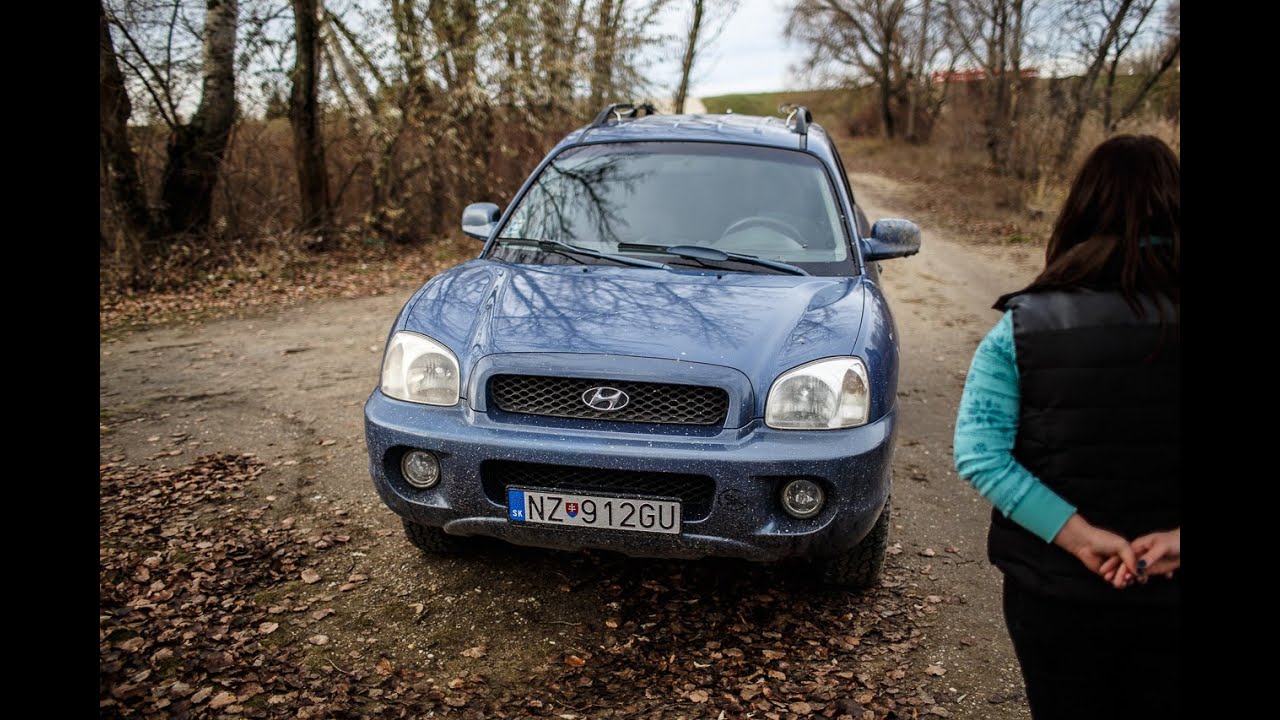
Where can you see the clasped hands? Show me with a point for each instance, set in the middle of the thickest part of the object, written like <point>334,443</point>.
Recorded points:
<point>1116,560</point>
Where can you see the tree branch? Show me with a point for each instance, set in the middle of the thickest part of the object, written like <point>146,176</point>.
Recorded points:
<point>1170,55</point>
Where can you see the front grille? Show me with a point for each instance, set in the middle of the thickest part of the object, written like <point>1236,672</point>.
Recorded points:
<point>694,491</point>
<point>647,402</point>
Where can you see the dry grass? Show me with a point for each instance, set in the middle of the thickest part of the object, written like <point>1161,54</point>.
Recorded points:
<point>956,187</point>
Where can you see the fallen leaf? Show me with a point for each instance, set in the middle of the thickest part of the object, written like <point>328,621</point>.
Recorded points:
<point>574,661</point>
<point>934,598</point>
<point>310,576</point>
<point>456,683</point>
<point>383,667</point>
<point>321,614</point>
<point>478,651</point>
<point>800,708</point>
<point>456,700</point>
<point>939,711</point>
<point>936,670</point>
<point>222,700</point>
<point>326,443</point>
<point>773,654</point>
<point>928,552</point>
<point>267,628</point>
<point>319,639</point>
<point>699,696</point>
<point>201,695</point>
<point>131,645</point>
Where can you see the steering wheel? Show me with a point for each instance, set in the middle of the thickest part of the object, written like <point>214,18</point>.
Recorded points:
<point>780,226</point>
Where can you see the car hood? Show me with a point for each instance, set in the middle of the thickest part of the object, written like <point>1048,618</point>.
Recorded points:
<point>759,324</point>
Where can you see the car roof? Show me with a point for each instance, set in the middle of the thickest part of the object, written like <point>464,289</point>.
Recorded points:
<point>727,128</point>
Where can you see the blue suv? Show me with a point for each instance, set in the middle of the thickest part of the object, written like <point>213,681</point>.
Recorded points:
<point>673,344</point>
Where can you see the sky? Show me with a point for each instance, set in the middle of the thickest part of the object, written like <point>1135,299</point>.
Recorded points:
<point>750,54</point>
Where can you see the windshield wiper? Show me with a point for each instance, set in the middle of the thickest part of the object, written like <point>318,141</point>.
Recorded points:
<point>567,249</point>
<point>706,254</point>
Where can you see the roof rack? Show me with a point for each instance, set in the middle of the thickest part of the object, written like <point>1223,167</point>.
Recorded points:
<point>798,118</point>
<point>622,110</point>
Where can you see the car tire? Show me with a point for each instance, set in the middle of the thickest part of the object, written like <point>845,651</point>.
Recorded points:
<point>433,540</point>
<point>859,568</point>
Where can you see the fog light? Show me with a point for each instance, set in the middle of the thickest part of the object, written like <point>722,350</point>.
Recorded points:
<point>802,498</point>
<point>420,468</point>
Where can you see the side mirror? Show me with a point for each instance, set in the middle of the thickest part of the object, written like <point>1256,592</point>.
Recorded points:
<point>479,218</point>
<point>891,238</point>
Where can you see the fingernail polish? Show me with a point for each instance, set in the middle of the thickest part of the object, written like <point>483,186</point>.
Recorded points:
<point>1142,565</point>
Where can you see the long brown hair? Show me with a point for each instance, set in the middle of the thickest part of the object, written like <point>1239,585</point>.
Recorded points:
<point>1120,227</point>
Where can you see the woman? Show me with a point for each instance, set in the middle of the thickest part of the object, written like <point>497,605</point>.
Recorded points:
<point>1068,425</point>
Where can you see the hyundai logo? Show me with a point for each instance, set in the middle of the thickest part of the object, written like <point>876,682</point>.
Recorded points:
<point>605,399</point>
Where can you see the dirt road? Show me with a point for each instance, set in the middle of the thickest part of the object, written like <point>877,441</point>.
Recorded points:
<point>289,387</point>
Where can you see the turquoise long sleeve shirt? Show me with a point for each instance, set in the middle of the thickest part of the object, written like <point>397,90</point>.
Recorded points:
<point>986,427</point>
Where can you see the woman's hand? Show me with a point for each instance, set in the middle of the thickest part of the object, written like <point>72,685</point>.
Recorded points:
<point>1094,547</point>
<point>1159,553</point>
<point>1115,573</point>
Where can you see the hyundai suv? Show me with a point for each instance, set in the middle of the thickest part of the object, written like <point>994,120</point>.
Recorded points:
<point>674,343</point>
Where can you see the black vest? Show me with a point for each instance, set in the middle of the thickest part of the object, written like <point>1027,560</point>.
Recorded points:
<point>1099,425</point>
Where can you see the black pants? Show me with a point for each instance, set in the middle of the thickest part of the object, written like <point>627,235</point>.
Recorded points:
<point>1085,662</point>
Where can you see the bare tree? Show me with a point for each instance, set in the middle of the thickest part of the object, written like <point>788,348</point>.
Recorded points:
<point>304,117</point>
<point>1103,32</point>
<point>690,52</point>
<point>864,35</point>
<point>609,15</point>
<point>992,34</point>
<point>1152,65</point>
<point>133,228</point>
<point>707,20</point>
<point>925,36</point>
<point>196,148</point>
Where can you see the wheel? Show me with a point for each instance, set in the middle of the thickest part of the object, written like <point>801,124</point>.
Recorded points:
<point>859,567</point>
<point>433,540</point>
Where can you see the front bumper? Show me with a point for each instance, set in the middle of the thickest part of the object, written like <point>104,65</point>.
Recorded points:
<point>748,465</point>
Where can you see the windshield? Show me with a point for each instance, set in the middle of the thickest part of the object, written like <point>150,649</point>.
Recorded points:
<point>769,202</point>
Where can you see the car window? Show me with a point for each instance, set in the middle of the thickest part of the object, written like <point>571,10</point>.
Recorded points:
<point>770,202</point>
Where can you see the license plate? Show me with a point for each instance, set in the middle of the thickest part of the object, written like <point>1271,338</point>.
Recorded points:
<point>531,506</point>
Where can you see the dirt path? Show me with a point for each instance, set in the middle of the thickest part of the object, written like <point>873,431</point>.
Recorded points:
<point>289,387</point>
<point>942,299</point>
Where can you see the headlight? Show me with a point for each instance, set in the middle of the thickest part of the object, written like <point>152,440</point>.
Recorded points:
<point>419,369</point>
<point>822,395</point>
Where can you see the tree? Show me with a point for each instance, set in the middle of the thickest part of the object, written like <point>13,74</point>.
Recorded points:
<point>133,228</point>
<point>1103,29</point>
<point>706,21</point>
<point>690,51</point>
<point>196,148</point>
<point>605,50</point>
<point>1151,64</point>
<point>992,34</point>
<point>864,35</point>
<point>304,117</point>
